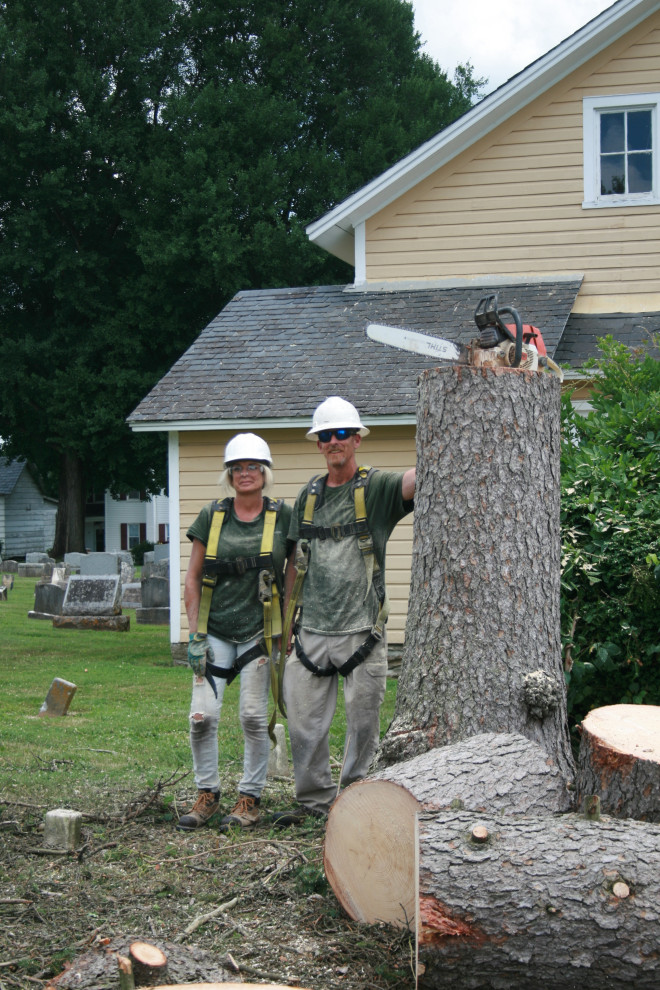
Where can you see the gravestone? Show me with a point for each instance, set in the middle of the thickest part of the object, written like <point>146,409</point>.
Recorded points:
<point>3,593</point>
<point>58,698</point>
<point>155,592</point>
<point>131,594</point>
<point>10,566</point>
<point>60,576</point>
<point>38,558</point>
<point>161,552</point>
<point>48,601</point>
<point>90,595</point>
<point>31,570</point>
<point>8,581</point>
<point>99,564</point>
<point>73,559</point>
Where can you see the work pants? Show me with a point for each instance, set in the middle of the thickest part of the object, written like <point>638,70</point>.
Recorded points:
<point>311,702</point>
<point>205,718</point>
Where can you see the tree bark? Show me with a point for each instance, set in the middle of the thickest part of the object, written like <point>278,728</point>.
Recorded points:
<point>559,903</point>
<point>370,849</point>
<point>483,649</point>
<point>70,523</point>
<point>619,760</point>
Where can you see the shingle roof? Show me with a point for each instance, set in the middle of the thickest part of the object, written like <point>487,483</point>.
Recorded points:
<point>583,330</point>
<point>10,472</point>
<point>275,353</point>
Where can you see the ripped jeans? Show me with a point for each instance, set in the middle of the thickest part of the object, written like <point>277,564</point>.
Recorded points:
<point>205,718</point>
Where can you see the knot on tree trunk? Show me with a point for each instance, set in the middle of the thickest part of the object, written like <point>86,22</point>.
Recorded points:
<point>541,693</point>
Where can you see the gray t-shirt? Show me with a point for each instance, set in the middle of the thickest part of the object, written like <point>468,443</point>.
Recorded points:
<point>335,597</point>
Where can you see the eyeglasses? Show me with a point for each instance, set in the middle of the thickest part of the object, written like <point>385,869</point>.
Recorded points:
<point>343,433</point>
<point>245,469</point>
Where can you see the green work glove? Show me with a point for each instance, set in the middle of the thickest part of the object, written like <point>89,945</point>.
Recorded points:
<point>197,647</point>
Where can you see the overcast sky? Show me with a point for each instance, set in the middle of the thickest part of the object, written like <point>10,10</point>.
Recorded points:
<point>499,37</point>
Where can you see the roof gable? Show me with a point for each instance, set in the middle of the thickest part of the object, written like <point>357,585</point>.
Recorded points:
<point>335,230</point>
<point>10,472</point>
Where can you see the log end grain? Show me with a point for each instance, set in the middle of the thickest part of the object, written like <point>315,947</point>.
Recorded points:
<point>370,851</point>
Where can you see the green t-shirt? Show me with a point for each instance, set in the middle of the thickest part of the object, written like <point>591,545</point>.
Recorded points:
<point>236,613</point>
<point>335,600</point>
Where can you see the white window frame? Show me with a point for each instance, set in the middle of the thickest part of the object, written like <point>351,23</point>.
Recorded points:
<point>592,107</point>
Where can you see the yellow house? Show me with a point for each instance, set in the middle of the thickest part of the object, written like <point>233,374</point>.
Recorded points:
<point>547,192</point>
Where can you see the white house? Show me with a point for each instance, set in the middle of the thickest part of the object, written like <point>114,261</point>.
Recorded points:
<point>27,517</point>
<point>120,524</point>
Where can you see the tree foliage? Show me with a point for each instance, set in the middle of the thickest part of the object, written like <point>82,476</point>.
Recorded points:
<point>158,156</point>
<point>611,534</point>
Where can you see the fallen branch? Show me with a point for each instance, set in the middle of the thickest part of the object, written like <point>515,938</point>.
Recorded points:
<point>203,918</point>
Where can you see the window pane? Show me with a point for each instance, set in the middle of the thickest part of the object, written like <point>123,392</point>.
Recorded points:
<point>612,175</point>
<point>639,130</point>
<point>639,172</point>
<point>611,132</point>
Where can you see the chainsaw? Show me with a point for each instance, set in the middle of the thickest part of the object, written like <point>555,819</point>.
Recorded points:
<point>499,344</point>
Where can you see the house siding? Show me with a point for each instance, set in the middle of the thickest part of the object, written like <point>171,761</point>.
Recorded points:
<point>149,515</point>
<point>512,204</point>
<point>27,520</point>
<point>295,461</point>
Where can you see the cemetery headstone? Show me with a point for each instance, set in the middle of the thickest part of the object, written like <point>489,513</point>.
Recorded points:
<point>58,698</point>
<point>93,595</point>
<point>48,601</point>
<point>99,564</point>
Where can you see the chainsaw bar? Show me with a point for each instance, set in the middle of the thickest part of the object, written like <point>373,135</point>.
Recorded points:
<point>419,343</point>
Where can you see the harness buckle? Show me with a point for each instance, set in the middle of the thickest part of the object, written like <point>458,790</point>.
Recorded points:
<point>336,532</point>
<point>241,566</point>
<point>265,586</point>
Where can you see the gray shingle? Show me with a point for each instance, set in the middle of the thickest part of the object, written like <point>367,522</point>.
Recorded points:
<point>583,330</point>
<point>275,353</point>
<point>10,472</point>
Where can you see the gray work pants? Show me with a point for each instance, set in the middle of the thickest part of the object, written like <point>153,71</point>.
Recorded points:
<point>205,711</point>
<point>311,702</point>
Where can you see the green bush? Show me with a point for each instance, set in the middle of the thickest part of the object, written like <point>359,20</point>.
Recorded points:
<point>139,550</point>
<point>611,535</point>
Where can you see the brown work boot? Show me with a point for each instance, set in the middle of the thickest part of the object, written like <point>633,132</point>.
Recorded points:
<point>245,813</point>
<point>203,809</point>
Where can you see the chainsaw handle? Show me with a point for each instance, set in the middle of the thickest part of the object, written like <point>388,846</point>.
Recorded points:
<point>519,332</point>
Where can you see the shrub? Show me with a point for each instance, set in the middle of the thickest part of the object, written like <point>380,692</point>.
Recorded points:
<point>139,550</point>
<point>611,535</point>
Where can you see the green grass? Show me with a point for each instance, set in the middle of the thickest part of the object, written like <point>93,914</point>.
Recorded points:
<point>127,725</point>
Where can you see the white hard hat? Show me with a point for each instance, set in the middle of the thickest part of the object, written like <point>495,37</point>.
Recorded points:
<point>334,413</point>
<point>247,447</point>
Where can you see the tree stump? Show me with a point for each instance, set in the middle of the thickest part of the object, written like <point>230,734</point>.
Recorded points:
<point>619,760</point>
<point>149,964</point>
<point>370,850</point>
<point>483,649</point>
<point>560,903</point>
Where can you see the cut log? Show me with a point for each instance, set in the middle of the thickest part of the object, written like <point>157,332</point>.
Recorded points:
<point>370,849</point>
<point>619,760</point>
<point>560,903</point>
<point>149,964</point>
<point>226,986</point>
<point>483,646</point>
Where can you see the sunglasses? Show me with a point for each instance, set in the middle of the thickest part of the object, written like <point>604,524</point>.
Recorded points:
<point>343,433</point>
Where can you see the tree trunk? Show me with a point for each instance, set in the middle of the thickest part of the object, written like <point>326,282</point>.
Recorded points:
<point>70,524</point>
<point>619,760</point>
<point>483,649</point>
<point>370,849</point>
<point>560,903</point>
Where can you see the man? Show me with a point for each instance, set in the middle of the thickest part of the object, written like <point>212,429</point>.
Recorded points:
<point>341,629</point>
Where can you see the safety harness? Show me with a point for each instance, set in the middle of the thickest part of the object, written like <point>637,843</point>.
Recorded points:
<point>360,529</point>
<point>268,590</point>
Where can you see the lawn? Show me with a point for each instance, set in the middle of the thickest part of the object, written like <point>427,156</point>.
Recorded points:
<point>121,758</point>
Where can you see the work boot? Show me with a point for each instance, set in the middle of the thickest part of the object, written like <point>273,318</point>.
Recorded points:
<point>203,809</point>
<point>245,813</point>
<point>296,816</point>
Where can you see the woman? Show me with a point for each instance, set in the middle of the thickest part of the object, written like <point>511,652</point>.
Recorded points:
<point>241,543</point>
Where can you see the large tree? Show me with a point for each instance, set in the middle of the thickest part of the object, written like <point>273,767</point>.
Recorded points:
<point>159,156</point>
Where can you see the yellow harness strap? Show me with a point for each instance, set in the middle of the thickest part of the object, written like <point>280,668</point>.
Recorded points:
<point>209,581</point>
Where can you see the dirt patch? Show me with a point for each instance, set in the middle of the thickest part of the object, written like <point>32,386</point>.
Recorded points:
<point>249,906</point>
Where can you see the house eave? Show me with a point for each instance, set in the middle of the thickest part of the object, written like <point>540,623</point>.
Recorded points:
<point>334,232</point>
<point>295,423</point>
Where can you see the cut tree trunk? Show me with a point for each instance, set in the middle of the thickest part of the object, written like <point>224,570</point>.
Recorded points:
<point>149,964</point>
<point>619,760</point>
<point>560,903</point>
<point>370,850</point>
<point>483,648</point>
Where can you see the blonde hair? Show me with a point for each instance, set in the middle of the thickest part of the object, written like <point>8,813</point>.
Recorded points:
<point>224,481</point>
